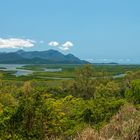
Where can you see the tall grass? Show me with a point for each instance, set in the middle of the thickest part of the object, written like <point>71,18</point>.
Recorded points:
<point>123,126</point>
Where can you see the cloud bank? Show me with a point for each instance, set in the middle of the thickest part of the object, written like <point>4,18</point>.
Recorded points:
<point>64,47</point>
<point>53,43</point>
<point>16,43</point>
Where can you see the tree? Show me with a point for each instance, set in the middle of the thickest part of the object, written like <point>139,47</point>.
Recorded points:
<point>27,87</point>
<point>84,84</point>
<point>133,93</point>
<point>130,76</point>
<point>111,89</point>
<point>1,76</point>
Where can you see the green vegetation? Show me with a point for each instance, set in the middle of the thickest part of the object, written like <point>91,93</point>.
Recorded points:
<point>89,105</point>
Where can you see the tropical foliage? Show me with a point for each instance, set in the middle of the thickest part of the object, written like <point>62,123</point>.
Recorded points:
<point>84,108</point>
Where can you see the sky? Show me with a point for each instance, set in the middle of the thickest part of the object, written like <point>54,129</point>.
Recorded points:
<point>94,30</point>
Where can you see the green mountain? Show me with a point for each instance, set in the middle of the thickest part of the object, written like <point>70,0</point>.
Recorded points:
<point>39,57</point>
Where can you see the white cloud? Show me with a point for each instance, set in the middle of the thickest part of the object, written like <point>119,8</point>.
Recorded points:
<point>16,43</point>
<point>53,43</point>
<point>66,46</point>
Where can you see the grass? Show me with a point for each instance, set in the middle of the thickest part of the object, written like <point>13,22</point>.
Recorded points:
<point>68,71</point>
<point>124,125</point>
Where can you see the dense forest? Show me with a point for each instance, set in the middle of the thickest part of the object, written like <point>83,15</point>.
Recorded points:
<point>86,107</point>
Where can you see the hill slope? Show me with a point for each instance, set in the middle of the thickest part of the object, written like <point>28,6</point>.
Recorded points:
<point>39,57</point>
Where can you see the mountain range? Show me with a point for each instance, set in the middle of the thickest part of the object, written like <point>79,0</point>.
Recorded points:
<point>39,57</point>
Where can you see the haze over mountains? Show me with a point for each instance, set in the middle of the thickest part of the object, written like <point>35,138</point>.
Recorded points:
<point>39,57</point>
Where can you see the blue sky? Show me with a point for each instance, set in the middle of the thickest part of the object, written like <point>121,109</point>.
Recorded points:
<point>102,30</point>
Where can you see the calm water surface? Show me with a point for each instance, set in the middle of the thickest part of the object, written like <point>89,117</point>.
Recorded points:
<point>22,72</point>
<point>17,68</point>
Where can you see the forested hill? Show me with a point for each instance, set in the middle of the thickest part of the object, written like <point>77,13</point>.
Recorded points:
<point>39,57</point>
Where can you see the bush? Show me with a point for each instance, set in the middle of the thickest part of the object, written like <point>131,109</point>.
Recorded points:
<point>125,125</point>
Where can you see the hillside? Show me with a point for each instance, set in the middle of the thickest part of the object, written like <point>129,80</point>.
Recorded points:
<point>39,57</point>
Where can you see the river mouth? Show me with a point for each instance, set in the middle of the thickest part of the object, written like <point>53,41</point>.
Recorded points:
<point>17,68</point>
<point>20,71</point>
<point>53,70</point>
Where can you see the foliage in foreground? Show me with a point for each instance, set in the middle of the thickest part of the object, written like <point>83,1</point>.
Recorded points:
<point>33,111</point>
<point>125,125</point>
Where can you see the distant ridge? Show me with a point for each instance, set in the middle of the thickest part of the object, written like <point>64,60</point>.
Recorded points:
<point>109,63</point>
<point>39,57</point>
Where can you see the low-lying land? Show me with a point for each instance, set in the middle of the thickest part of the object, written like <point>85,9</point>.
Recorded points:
<point>81,102</point>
